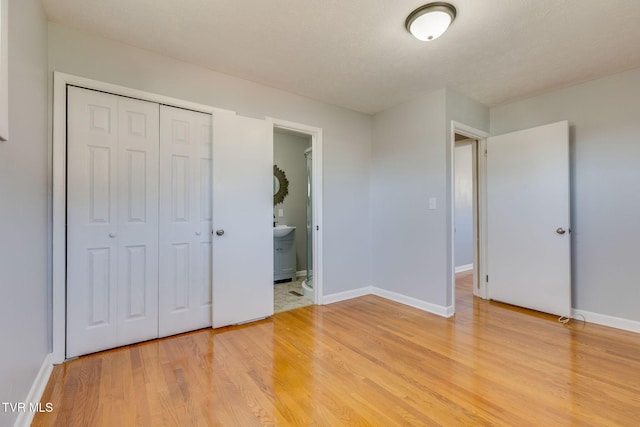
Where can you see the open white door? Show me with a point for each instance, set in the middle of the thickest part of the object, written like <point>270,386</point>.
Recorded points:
<point>242,219</point>
<point>529,252</point>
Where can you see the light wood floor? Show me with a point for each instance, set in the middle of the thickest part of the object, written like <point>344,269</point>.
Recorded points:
<point>363,362</point>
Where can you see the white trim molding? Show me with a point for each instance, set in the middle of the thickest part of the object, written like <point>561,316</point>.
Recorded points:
<point>439,310</point>
<point>35,393</point>
<point>347,295</point>
<point>605,320</point>
<point>480,226</point>
<point>466,267</point>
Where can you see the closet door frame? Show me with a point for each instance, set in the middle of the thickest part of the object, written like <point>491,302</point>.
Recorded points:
<point>59,157</point>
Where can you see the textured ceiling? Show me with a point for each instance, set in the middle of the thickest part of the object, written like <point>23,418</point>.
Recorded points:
<point>357,54</point>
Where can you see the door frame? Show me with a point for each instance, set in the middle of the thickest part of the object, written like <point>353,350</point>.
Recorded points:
<point>479,213</point>
<point>316,147</point>
<point>59,184</point>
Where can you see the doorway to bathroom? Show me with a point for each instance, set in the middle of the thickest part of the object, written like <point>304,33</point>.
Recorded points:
<point>297,202</point>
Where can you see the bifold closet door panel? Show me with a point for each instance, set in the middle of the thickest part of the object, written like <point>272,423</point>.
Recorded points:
<point>112,217</point>
<point>138,157</point>
<point>185,220</point>
<point>92,221</point>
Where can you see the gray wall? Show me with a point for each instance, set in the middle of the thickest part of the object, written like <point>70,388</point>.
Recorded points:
<point>410,164</point>
<point>463,177</point>
<point>604,119</point>
<point>23,208</point>
<point>409,155</point>
<point>346,134</point>
<point>288,154</point>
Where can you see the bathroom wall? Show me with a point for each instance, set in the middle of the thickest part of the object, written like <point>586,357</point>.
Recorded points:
<point>288,155</point>
<point>24,228</point>
<point>346,133</point>
<point>463,204</point>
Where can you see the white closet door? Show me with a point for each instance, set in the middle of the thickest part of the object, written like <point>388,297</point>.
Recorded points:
<point>112,221</point>
<point>242,212</point>
<point>92,224</point>
<point>185,221</point>
<point>138,151</point>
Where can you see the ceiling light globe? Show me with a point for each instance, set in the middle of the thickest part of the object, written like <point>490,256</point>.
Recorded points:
<point>430,21</point>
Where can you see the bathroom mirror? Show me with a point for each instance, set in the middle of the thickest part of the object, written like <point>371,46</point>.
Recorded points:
<point>280,185</point>
<point>276,185</point>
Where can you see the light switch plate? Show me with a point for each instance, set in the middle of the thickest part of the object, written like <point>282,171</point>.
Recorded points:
<point>432,203</point>
<point>280,212</point>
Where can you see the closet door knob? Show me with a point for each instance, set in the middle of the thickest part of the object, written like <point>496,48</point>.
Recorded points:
<point>198,233</point>
<point>112,234</point>
<point>219,232</point>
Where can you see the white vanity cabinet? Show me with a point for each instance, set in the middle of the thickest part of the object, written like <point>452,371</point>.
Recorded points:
<point>284,257</point>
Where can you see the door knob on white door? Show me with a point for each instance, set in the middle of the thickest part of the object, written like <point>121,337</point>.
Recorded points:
<point>560,230</point>
<point>198,233</point>
<point>112,235</point>
<point>219,232</point>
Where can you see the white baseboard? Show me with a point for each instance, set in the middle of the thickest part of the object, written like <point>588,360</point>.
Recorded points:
<point>393,296</point>
<point>35,393</point>
<point>450,311</point>
<point>461,268</point>
<point>599,319</point>
<point>343,296</point>
<point>301,273</point>
<point>414,302</point>
<point>604,320</point>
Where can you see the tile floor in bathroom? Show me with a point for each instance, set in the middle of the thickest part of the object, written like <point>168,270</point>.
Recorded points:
<point>284,300</point>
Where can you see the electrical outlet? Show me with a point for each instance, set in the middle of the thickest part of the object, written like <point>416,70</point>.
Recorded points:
<point>280,212</point>
<point>432,203</point>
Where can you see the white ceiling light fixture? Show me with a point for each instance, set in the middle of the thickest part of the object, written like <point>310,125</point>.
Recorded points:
<point>430,21</point>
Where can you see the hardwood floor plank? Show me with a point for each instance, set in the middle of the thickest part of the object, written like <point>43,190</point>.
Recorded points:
<point>362,362</point>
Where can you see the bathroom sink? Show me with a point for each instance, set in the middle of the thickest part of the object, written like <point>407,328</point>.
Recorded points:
<point>282,230</point>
